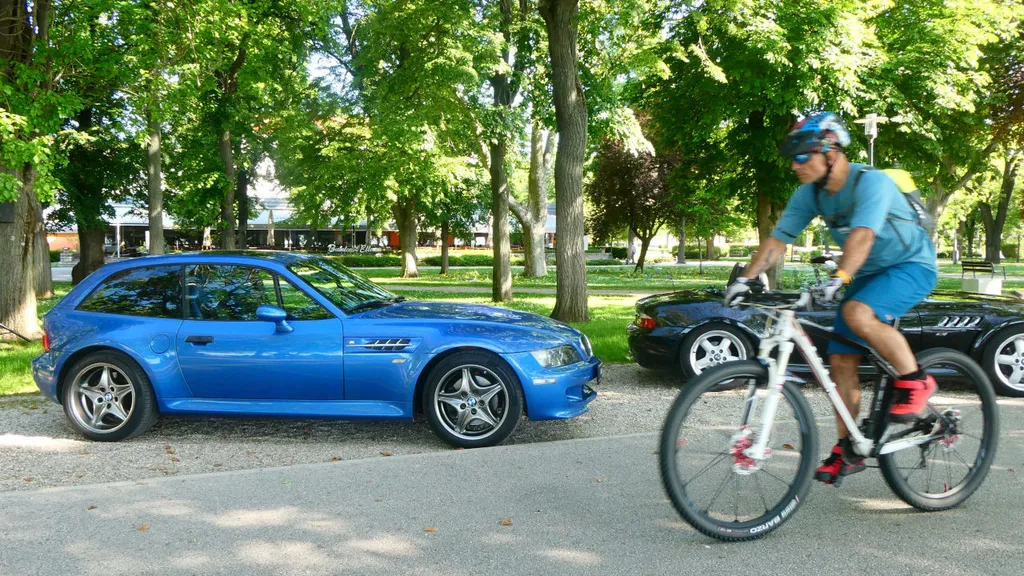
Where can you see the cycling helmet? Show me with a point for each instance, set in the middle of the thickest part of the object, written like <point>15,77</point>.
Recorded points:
<point>816,133</point>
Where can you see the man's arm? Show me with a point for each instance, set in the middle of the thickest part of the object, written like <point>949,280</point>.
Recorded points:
<point>855,251</point>
<point>767,253</point>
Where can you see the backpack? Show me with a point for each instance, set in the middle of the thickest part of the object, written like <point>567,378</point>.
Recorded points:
<point>906,185</point>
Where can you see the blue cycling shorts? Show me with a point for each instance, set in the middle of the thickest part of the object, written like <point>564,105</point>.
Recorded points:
<point>891,293</point>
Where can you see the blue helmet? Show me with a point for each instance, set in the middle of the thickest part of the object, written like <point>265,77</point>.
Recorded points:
<point>818,133</point>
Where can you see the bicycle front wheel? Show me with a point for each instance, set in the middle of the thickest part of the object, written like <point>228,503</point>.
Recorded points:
<point>713,485</point>
<point>962,425</point>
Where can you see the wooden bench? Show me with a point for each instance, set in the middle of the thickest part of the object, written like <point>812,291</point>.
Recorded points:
<point>975,266</point>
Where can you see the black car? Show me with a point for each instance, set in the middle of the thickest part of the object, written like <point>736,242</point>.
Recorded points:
<point>691,330</point>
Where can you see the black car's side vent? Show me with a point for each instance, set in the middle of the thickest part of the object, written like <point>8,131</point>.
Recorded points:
<point>383,344</point>
<point>959,321</point>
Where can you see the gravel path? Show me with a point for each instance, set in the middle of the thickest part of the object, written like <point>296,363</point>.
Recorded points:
<point>39,449</point>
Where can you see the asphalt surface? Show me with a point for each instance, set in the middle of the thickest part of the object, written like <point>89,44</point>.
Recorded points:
<point>584,506</point>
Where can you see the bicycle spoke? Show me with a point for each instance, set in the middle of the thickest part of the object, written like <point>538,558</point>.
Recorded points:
<point>706,468</point>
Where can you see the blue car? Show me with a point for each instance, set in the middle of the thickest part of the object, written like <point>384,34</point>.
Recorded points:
<point>291,335</point>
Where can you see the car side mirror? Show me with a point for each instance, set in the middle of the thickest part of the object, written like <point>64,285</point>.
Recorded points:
<point>275,315</point>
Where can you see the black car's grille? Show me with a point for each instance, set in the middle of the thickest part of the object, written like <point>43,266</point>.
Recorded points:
<point>959,321</point>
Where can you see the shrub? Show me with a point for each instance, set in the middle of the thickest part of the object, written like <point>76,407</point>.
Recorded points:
<point>55,255</point>
<point>604,262</point>
<point>476,260</point>
<point>357,261</point>
<point>619,252</point>
<point>1010,250</point>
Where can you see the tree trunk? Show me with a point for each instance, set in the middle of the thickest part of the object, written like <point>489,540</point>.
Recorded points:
<point>227,207</point>
<point>710,248</point>
<point>681,256</point>
<point>405,216</point>
<point>571,117</point>
<point>90,253</point>
<point>765,225</point>
<point>444,247</point>
<point>630,246</point>
<point>994,225</point>
<point>41,259</point>
<point>534,215</point>
<point>243,211</point>
<point>501,273</point>
<point>645,243</point>
<point>154,175</point>
<point>17,283</point>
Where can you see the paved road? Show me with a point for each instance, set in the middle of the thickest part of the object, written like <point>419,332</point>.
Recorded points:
<point>591,506</point>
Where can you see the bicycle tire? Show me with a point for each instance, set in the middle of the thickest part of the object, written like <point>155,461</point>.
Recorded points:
<point>950,496</point>
<point>774,516</point>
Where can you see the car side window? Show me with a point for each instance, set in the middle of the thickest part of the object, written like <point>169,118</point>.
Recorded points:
<point>299,305</point>
<point>227,292</point>
<point>153,292</point>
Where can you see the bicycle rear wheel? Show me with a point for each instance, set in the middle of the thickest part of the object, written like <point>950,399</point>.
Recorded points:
<point>963,415</point>
<point>712,484</point>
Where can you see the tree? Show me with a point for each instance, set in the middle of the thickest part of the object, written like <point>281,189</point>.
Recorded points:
<point>994,222</point>
<point>533,213</point>
<point>31,108</point>
<point>631,189</point>
<point>560,17</point>
<point>936,79</point>
<point>741,71</point>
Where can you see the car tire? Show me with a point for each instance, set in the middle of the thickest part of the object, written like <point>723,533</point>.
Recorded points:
<point>107,397</point>
<point>712,344</point>
<point>1004,352</point>
<point>472,399</point>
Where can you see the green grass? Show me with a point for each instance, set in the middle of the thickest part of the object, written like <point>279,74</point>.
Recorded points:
<point>16,355</point>
<point>598,277</point>
<point>609,316</point>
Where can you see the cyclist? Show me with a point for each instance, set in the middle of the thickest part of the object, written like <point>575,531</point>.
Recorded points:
<point>888,261</point>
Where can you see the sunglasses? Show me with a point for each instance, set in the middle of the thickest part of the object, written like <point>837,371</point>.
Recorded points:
<point>802,158</point>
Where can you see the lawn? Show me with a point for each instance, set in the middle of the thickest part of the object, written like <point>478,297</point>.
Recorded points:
<point>606,330</point>
<point>609,316</point>
<point>16,356</point>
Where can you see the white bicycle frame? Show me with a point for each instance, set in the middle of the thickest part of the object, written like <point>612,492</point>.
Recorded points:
<point>786,333</point>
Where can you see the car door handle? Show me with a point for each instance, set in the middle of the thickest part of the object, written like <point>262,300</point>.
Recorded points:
<point>199,339</point>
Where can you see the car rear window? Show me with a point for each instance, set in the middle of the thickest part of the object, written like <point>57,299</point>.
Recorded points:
<point>153,292</point>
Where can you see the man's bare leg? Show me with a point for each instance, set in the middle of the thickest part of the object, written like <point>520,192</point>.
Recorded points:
<point>886,340</point>
<point>844,372</point>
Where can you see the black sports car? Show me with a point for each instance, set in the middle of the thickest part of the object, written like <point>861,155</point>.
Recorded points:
<point>691,330</point>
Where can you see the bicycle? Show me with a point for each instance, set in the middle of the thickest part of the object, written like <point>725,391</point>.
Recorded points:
<point>762,448</point>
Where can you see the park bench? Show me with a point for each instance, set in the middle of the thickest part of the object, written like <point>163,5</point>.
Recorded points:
<point>975,266</point>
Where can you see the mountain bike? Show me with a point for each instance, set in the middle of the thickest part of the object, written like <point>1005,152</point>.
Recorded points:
<point>740,443</point>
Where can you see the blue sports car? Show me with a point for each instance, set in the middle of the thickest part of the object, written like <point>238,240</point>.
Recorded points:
<point>290,335</point>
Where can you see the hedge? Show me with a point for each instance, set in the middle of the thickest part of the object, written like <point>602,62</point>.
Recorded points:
<point>55,255</point>
<point>604,262</point>
<point>357,261</point>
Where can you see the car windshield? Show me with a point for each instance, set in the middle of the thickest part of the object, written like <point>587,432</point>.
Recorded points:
<point>345,289</point>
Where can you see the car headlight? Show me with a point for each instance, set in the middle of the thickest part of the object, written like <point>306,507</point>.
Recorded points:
<point>554,357</point>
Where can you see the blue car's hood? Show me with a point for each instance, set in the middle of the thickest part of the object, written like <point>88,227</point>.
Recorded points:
<point>471,313</point>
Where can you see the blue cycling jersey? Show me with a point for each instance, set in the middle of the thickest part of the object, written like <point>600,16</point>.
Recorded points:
<point>876,203</point>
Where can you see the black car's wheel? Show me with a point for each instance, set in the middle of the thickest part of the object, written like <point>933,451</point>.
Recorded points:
<point>108,397</point>
<point>472,400</point>
<point>1003,361</point>
<point>710,345</point>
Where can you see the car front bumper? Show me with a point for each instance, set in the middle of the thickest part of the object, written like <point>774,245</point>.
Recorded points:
<point>556,393</point>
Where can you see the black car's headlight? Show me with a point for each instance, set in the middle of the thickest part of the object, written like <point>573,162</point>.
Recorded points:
<point>554,357</point>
